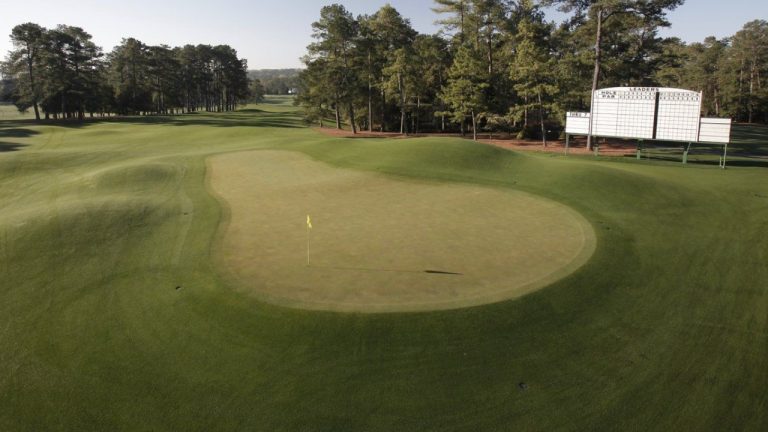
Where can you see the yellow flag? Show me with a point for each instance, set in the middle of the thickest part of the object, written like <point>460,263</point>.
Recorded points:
<point>309,222</point>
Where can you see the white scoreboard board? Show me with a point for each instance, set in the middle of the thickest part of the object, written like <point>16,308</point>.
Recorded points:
<point>666,114</point>
<point>715,130</point>
<point>577,123</point>
<point>679,113</point>
<point>624,112</point>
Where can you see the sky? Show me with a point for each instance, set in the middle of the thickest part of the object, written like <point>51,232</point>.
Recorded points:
<point>274,34</point>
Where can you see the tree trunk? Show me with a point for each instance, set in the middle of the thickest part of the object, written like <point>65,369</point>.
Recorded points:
<point>402,103</point>
<point>383,109</point>
<point>418,108</point>
<point>490,52</point>
<point>352,118</point>
<point>741,85</point>
<point>717,103</point>
<point>750,103</point>
<point>598,52</point>
<point>474,126</point>
<point>30,60</point>
<point>370,95</point>
<point>34,93</point>
<point>541,120</point>
<point>338,114</point>
<point>525,115</point>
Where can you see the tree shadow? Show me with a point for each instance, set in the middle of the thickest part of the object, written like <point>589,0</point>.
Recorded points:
<point>277,101</point>
<point>733,160</point>
<point>11,131</point>
<point>750,133</point>
<point>244,118</point>
<point>10,147</point>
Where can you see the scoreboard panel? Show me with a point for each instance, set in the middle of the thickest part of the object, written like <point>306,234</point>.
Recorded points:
<point>679,114</point>
<point>666,114</point>
<point>577,123</point>
<point>715,130</point>
<point>624,112</point>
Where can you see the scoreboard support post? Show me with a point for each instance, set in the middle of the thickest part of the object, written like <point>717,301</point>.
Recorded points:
<point>638,154</point>
<point>725,155</point>
<point>685,153</point>
<point>567,142</point>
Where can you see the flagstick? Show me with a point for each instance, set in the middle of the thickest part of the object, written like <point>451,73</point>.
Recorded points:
<point>308,245</point>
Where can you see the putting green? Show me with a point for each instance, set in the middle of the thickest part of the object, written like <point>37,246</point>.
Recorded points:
<point>382,244</point>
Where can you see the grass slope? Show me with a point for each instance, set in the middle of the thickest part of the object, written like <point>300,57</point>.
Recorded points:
<point>666,328</point>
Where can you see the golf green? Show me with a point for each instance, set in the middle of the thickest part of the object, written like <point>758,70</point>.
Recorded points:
<point>381,244</point>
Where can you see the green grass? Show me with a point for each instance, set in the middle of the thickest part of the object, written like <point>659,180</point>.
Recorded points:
<point>748,148</point>
<point>666,328</point>
<point>9,112</point>
<point>376,238</point>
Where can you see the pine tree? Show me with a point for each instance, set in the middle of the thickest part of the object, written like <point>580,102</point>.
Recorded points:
<point>24,62</point>
<point>335,34</point>
<point>464,92</point>
<point>533,67</point>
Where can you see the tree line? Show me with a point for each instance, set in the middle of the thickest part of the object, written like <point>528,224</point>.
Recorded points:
<point>499,65</point>
<point>61,73</point>
<point>276,81</point>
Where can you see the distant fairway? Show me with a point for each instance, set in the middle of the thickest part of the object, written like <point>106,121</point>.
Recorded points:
<point>116,312</point>
<point>9,112</point>
<point>382,244</point>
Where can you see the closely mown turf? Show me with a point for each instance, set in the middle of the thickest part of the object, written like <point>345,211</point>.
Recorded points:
<point>10,112</point>
<point>382,244</point>
<point>113,317</point>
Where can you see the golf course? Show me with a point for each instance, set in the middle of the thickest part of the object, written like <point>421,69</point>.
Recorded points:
<point>158,273</point>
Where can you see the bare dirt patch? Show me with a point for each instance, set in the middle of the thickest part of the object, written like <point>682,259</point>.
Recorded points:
<point>614,147</point>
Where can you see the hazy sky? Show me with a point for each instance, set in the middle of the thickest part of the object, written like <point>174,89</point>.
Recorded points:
<point>274,34</point>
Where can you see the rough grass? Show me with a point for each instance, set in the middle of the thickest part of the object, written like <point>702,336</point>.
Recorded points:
<point>112,316</point>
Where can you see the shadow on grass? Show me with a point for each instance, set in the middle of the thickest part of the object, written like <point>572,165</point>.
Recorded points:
<point>246,118</point>
<point>280,100</point>
<point>748,148</point>
<point>750,133</point>
<point>10,130</point>
<point>250,118</point>
<point>749,140</point>
<point>10,147</point>
<point>368,137</point>
<point>385,270</point>
<point>733,160</point>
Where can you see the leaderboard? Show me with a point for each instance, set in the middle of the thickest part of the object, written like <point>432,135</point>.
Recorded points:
<point>666,114</point>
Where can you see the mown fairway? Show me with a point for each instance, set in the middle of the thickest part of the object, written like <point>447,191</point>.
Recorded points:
<point>113,316</point>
